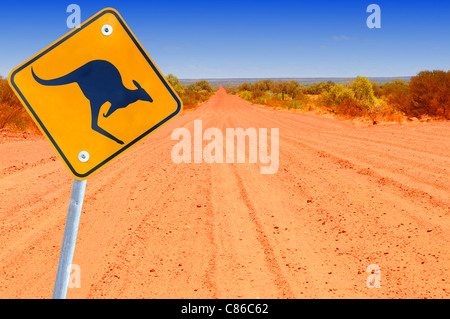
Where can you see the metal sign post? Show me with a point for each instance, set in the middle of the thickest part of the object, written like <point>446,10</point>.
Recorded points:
<point>69,239</point>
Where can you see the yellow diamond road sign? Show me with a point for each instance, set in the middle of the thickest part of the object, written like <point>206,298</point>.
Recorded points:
<point>95,93</point>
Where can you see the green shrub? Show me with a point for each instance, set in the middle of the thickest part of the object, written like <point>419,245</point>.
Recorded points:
<point>295,104</point>
<point>246,95</point>
<point>193,94</point>
<point>363,90</point>
<point>336,96</point>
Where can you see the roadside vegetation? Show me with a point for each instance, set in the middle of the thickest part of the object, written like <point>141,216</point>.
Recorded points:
<point>14,117</point>
<point>426,96</point>
<point>192,95</point>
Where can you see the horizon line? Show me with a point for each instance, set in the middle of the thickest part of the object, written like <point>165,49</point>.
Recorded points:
<point>279,77</point>
<point>303,78</point>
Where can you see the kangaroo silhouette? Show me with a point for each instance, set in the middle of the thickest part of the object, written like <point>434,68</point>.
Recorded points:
<point>100,82</point>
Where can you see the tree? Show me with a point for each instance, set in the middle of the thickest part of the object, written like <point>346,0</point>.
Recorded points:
<point>337,95</point>
<point>245,87</point>
<point>298,93</point>
<point>11,111</point>
<point>363,90</point>
<point>203,85</point>
<point>192,94</point>
<point>319,88</point>
<point>430,93</point>
<point>268,83</point>
<point>276,87</point>
<point>260,87</point>
<point>291,88</point>
<point>280,87</point>
<point>175,83</point>
<point>376,89</point>
<point>397,94</point>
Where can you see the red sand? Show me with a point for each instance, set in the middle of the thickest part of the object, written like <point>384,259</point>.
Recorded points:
<point>344,197</point>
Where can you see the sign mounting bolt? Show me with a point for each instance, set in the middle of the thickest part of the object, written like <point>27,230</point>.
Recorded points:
<point>83,156</point>
<point>107,29</point>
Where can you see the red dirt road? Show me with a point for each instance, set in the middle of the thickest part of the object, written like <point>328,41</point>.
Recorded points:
<point>344,197</point>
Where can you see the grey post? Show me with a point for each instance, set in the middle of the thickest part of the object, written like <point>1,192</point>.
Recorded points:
<point>69,239</point>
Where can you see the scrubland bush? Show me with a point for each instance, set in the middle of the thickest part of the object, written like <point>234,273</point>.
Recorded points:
<point>357,100</point>
<point>363,90</point>
<point>12,114</point>
<point>430,94</point>
<point>232,89</point>
<point>376,89</point>
<point>335,96</point>
<point>281,94</point>
<point>193,94</point>
<point>397,94</point>
<point>246,95</point>
<point>318,88</point>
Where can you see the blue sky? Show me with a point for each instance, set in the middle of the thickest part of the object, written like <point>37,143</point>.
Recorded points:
<point>235,39</point>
